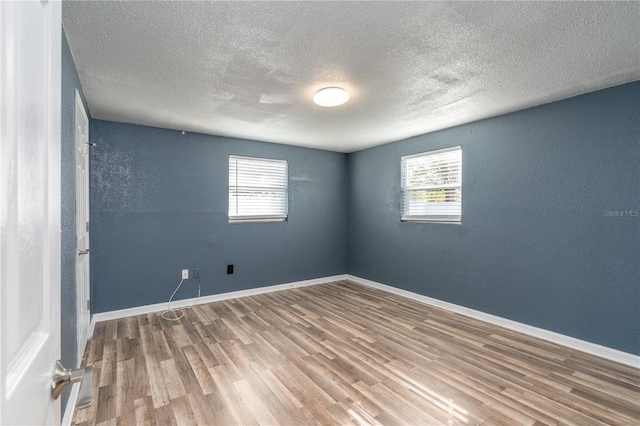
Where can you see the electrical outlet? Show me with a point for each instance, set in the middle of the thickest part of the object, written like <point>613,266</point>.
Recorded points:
<point>185,274</point>
<point>196,273</point>
<point>229,269</point>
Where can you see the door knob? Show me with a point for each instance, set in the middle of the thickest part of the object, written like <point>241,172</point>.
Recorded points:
<point>62,377</point>
<point>83,252</point>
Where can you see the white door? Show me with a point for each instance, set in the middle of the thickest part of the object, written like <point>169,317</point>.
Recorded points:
<point>30,210</point>
<point>82,223</point>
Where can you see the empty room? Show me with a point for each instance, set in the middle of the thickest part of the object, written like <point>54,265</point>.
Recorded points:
<point>320,213</point>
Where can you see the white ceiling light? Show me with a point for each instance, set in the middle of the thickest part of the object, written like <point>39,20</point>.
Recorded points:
<point>331,96</point>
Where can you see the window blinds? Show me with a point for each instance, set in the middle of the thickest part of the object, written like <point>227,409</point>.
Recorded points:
<point>432,186</point>
<point>257,189</point>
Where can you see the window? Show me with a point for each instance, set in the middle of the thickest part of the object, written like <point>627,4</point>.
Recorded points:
<point>258,189</point>
<point>432,186</point>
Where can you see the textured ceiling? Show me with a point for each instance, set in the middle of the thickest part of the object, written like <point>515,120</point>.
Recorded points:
<point>250,69</point>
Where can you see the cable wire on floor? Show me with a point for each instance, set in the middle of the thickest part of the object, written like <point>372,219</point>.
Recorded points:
<point>179,313</point>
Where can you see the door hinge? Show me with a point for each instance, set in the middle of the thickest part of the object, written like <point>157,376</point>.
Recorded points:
<point>87,226</point>
<point>88,305</point>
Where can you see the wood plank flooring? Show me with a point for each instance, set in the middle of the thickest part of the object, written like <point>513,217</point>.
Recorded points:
<point>342,354</point>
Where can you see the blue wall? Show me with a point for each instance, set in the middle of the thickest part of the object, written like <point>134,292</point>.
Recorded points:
<point>70,82</point>
<point>159,205</point>
<point>535,244</point>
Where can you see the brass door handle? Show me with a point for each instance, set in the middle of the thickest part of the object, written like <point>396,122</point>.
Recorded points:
<point>83,252</point>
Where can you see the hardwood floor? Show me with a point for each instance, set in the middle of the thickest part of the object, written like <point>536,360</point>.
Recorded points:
<point>342,353</point>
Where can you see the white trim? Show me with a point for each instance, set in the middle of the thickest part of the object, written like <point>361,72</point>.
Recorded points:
<point>444,211</point>
<point>257,218</point>
<point>560,339</point>
<point>437,151</point>
<point>70,409</point>
<point>81,297</point>
<point>245,157</point>
<point>92,326</point>
<point>78,102</point>
<point>158,307</point>
<point>246,177</point>
<point>452,219</point>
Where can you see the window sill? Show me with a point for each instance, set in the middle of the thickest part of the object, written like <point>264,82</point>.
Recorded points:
<point>248,219</point>
<point>418,219</point>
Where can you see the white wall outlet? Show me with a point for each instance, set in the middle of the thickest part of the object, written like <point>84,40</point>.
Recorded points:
<point>185,274</point>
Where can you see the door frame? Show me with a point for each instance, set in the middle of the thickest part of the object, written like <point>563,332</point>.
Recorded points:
<point>83,295</point>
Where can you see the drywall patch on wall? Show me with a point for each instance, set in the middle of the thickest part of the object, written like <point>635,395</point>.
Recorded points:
<point>115,188</point>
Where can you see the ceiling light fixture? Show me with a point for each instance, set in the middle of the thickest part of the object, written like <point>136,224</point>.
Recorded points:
<point>331,96</point>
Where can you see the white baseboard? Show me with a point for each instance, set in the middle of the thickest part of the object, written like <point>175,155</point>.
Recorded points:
<point>560,339</point>
<point>71,405</point>
<point>92,326</point>
<point>158,307</point>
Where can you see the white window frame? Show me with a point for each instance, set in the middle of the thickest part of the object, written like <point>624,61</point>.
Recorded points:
<point>234,215</point>
<point>406,189</point>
